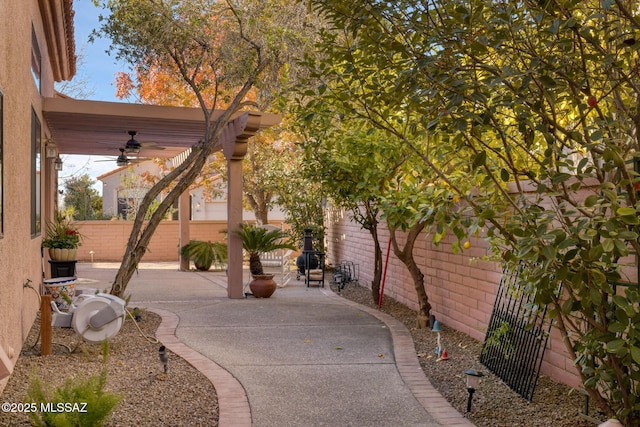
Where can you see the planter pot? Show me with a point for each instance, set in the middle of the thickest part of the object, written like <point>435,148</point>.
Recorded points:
<point>263,286</point>
<point>63,254</point>
<point>58,287</point>
<point>201,267</point>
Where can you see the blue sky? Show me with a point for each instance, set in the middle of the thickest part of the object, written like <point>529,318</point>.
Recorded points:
<point>98,67</point>
<point>98,70</point>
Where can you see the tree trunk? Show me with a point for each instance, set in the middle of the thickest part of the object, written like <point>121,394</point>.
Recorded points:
<point>187,171</point>
<point>406,256</point>
<point>255,265</point>
<point>141,233</point>
<point>259,208</point>
<point>262,216</point>
<point>370,222</point>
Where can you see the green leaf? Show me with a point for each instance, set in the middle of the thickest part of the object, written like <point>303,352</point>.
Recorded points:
<point>547,81</point>
<point>635,354</point>
<point>620,301</point>
<point>549,251</point>
<point>591,201</point>
<point>626,211</point>
<point>608,245</point>
<point>617,327</point>
<point>595,253</point>
<point>595,296</point>
<point>615,345</point>
<point>480,159</point>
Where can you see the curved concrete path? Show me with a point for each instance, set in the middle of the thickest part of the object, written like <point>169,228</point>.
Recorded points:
<point>304,357</point>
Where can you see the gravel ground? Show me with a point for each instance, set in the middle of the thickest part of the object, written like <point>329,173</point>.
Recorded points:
<point>495,404</point>
<point>184,397</point>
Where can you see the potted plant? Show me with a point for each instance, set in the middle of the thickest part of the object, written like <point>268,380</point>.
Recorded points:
<point>256,240</point>
<point>62,238</point>
<point>204,254</point>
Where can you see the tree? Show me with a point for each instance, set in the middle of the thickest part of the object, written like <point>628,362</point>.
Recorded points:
<point>268,154</point>
<point>79,87</point>
<point>81,198</point>
<point>210,45</point>
<point>541,100</point>
<point>332,150</point>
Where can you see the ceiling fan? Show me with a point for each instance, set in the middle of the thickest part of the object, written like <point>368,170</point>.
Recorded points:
<point>123,159</point>
<point>133,146</point>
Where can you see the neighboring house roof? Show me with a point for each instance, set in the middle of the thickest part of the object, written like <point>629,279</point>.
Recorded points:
<point>111,172</point>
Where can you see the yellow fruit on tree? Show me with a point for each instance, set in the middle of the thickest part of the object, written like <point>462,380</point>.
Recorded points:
<point>466,244</point>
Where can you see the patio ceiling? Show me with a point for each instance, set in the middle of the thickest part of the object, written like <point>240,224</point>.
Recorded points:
<point>101,128</point>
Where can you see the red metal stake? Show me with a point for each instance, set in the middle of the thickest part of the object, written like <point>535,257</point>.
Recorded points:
<point>384,275</point>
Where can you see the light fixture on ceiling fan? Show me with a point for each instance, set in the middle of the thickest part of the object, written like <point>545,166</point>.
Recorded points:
<point>132,145</point>
<point>122,159</point>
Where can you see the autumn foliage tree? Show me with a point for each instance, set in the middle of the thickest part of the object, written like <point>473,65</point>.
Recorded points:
<point>219,51</point>
<point>266,155</point>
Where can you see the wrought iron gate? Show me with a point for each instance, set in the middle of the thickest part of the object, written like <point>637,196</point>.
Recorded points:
<point>516,336</point>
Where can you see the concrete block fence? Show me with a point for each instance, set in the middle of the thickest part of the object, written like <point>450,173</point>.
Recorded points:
<point>108,239</point>
<point>461,287</point>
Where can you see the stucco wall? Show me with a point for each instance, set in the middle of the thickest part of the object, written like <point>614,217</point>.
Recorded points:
<point>20,260</point>
<point>461,287</point>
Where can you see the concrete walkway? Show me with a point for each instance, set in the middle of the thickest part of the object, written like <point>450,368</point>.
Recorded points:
<point>304,357</point>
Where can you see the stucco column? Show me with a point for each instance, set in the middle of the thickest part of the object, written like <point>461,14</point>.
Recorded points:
<point>234,151</point>
<point>235,285</point>
<point>184,204</point>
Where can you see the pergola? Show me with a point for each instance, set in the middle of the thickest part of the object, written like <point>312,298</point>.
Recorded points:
<point>102,128</point>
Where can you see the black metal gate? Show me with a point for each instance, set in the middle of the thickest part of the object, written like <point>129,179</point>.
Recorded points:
<point>516,336</point>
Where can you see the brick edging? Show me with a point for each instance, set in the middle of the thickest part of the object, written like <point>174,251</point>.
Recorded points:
<point>233,404</point>
<point>410,370</point>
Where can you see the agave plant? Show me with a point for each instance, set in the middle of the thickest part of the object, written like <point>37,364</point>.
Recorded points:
<point>256,240</point>
<point>204,253</point>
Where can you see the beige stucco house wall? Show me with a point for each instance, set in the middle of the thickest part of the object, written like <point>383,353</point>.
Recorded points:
<point>27,27</point>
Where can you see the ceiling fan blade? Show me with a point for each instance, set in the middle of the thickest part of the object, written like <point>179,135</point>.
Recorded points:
<point>153,145</point>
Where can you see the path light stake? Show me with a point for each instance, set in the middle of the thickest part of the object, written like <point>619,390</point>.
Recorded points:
<point>473,382</point>
<point>162,352</point>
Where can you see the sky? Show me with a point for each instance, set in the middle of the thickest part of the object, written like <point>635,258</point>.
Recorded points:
<point>98,70</point>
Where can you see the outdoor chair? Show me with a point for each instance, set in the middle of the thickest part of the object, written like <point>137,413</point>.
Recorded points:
<point>315,275</point>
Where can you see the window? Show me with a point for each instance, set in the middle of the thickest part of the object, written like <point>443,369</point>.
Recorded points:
<point>36,141</point>
<point>36,59</point>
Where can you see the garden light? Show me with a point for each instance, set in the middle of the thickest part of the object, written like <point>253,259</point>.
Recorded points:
<point>473,383</point>
<point>162,352</point>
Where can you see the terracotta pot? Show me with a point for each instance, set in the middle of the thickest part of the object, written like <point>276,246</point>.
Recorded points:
<point>263,285</point>
<point>63,254</point>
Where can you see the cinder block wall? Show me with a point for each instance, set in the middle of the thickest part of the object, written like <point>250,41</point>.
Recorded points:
<point>108,239</point>
<point>461,287</point>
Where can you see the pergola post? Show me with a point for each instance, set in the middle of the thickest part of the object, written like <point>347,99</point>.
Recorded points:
<point>234,151</point>
<point>235,285</point>
<point>184,205</point>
